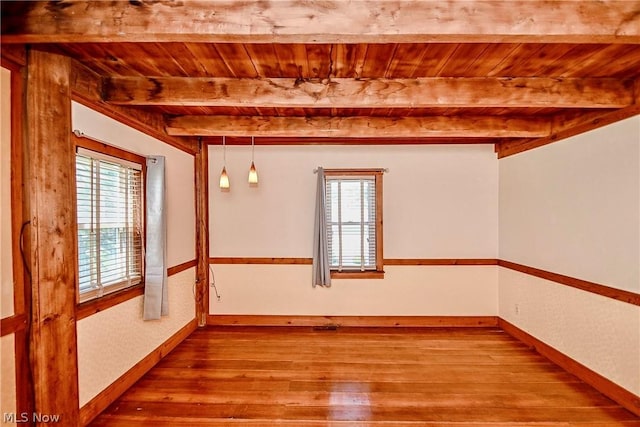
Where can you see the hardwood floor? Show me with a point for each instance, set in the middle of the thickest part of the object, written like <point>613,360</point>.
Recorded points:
<point>288,376</point>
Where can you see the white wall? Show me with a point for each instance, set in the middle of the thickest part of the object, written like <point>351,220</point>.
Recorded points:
<point>601,333</point>
<point>431,210</point>
<point>7,353</point>
<point>114,340</point>
<point>179,176</point>
<point>8,385</point>
<point>6,267</point>
<point>405,291</point>
<point>573,208</point>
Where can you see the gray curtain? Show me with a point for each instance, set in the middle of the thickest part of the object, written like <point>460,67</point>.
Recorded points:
<point>156,296</point>
<point>321,269</point>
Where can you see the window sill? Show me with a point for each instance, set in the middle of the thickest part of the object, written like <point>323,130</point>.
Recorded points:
<point>94,306</point>
<point>357,274</point>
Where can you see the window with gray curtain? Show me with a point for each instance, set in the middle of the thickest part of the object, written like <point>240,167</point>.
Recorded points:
<point>110,214</point>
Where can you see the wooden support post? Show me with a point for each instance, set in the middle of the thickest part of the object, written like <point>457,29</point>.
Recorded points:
<point>202,233</point>
<point>50,189</point>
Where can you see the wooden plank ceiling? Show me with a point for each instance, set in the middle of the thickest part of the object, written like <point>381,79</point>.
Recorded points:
<point>506,72</point>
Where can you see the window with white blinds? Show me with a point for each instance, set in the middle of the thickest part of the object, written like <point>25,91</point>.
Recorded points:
<point>110,223</point>
<point>352,222</point>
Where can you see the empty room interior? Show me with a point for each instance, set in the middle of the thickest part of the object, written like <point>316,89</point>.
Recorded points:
<point>313,213</point>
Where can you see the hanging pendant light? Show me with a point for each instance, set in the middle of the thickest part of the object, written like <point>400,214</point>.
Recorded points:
<point>253,173</point>
<point>224,178</point>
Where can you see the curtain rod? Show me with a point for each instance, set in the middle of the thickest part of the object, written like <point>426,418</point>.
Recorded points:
<point>80,134</point>
<point>385,170</point>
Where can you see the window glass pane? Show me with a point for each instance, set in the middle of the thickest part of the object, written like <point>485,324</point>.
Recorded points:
<point>86,262</point>
<point>110,210</point>
<point>332,196</point>
<point>350,201</point>
<point>351,222</point>
<point>351,242</point>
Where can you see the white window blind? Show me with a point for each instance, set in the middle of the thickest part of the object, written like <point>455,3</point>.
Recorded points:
<point>351,222</point>
<point>110,209</point>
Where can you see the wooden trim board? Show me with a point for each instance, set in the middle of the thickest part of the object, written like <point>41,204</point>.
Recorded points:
<point>259,260</point>
<point>440,261</point>
<point>605,386</point>
<point>595,288</point>
<point>99,403</point>
<point>353,321</point>
<point>87,308</point>
<point>181,267</point>
<point>387,261</point>
<point>13,324</point>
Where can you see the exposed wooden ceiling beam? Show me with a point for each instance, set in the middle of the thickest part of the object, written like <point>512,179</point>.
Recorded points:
<point>566,126</point>
<point>86,87</point>
<point>358,127</point>
<point>367,93</point>
<point>328,21</point>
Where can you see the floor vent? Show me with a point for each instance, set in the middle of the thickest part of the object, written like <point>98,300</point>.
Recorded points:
<point>329,327</point>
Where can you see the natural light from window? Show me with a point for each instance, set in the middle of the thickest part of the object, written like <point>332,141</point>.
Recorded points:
<point>109,207</point>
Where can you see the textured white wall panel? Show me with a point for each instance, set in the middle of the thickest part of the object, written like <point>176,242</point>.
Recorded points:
<point>405,291</point>
<point>601,333</point>
<point>7,347</point>
<point>8,381</point>
<point>112,341</point>
<point>6,266</point>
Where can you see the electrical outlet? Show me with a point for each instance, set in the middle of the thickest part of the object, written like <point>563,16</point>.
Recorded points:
<point>219,300</point>
<point>516,308</point>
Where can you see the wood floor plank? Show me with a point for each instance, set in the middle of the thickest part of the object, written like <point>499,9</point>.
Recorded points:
<point>427,375</point>
<point>279,376</point>
<point>360,363</point>
<point>364,412</point>
<point>188,422</point>
<point>397,399</point>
